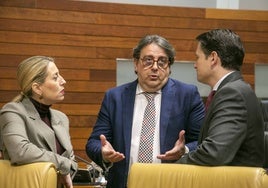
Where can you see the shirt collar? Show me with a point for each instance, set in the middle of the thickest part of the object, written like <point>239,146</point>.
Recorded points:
<point>215,88</point>
<point>139,90</point>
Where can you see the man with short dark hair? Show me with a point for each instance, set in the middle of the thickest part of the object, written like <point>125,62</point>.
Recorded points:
<point>233,131</point>
<point>119,139</point>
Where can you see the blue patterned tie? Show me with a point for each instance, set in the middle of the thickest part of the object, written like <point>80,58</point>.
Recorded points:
<point>147,132</point>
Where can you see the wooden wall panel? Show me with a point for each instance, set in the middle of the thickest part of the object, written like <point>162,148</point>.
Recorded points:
<point>85,38</point>
<point>82,121</point>
<point>236,15</point>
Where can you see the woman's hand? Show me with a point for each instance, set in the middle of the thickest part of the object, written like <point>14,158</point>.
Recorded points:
<point>66,180</point>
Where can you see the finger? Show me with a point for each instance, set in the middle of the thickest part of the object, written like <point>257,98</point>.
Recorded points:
<point>116,157</point>
<point>161,156</point>
<point>165,157</point>
<point>107,152</point>
<point>171,152</point>
<point>181,136</point>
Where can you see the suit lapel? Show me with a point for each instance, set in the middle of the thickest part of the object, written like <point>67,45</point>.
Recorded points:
<point>60,131</point>
<point>165,111</point>
<point>34,115</point>
<point>204,129</point>
<point>128,99</point>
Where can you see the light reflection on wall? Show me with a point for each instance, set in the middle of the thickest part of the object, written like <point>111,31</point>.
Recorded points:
<point>261,80</point>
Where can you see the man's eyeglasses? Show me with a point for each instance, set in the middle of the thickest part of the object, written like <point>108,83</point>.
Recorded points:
<point>148,61</point>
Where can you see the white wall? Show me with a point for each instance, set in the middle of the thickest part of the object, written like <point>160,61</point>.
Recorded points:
<point>176,3</point>
<point>226,4</point>
<point>253,4</point>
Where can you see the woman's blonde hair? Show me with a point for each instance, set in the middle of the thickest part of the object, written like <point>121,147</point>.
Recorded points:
<point>31,70</point>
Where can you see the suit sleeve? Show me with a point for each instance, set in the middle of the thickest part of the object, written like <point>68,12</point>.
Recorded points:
<point>21,150</point>
<point>194,119</point>
<point>224,130</point>
<point>102,126</point>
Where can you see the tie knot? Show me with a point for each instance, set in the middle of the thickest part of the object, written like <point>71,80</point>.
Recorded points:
<point>149,96</point>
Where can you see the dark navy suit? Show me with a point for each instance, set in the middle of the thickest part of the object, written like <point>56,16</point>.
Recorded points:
<point>181,109</point>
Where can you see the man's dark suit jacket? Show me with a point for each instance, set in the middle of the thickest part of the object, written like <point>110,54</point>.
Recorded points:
<point>181,108</point>
<point>233,130</point>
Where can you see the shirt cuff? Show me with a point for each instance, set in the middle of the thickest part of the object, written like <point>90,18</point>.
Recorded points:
<point>186,149</point>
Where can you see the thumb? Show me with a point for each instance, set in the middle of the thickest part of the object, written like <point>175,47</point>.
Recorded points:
<point>181,136</point>
<point>103,139</point>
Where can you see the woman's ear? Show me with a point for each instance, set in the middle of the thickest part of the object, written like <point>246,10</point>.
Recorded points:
<point>36,89</point>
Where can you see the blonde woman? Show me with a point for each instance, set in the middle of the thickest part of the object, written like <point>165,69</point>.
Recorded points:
<point>31,130</point>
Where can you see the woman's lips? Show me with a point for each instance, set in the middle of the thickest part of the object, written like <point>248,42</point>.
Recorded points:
<point>62,92</point>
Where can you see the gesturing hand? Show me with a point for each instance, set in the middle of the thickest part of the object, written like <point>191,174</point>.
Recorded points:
<point>177,151</point>
<point>108,152</point>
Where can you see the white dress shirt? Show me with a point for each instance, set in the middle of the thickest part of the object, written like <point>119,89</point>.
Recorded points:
<point>139,108</point>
